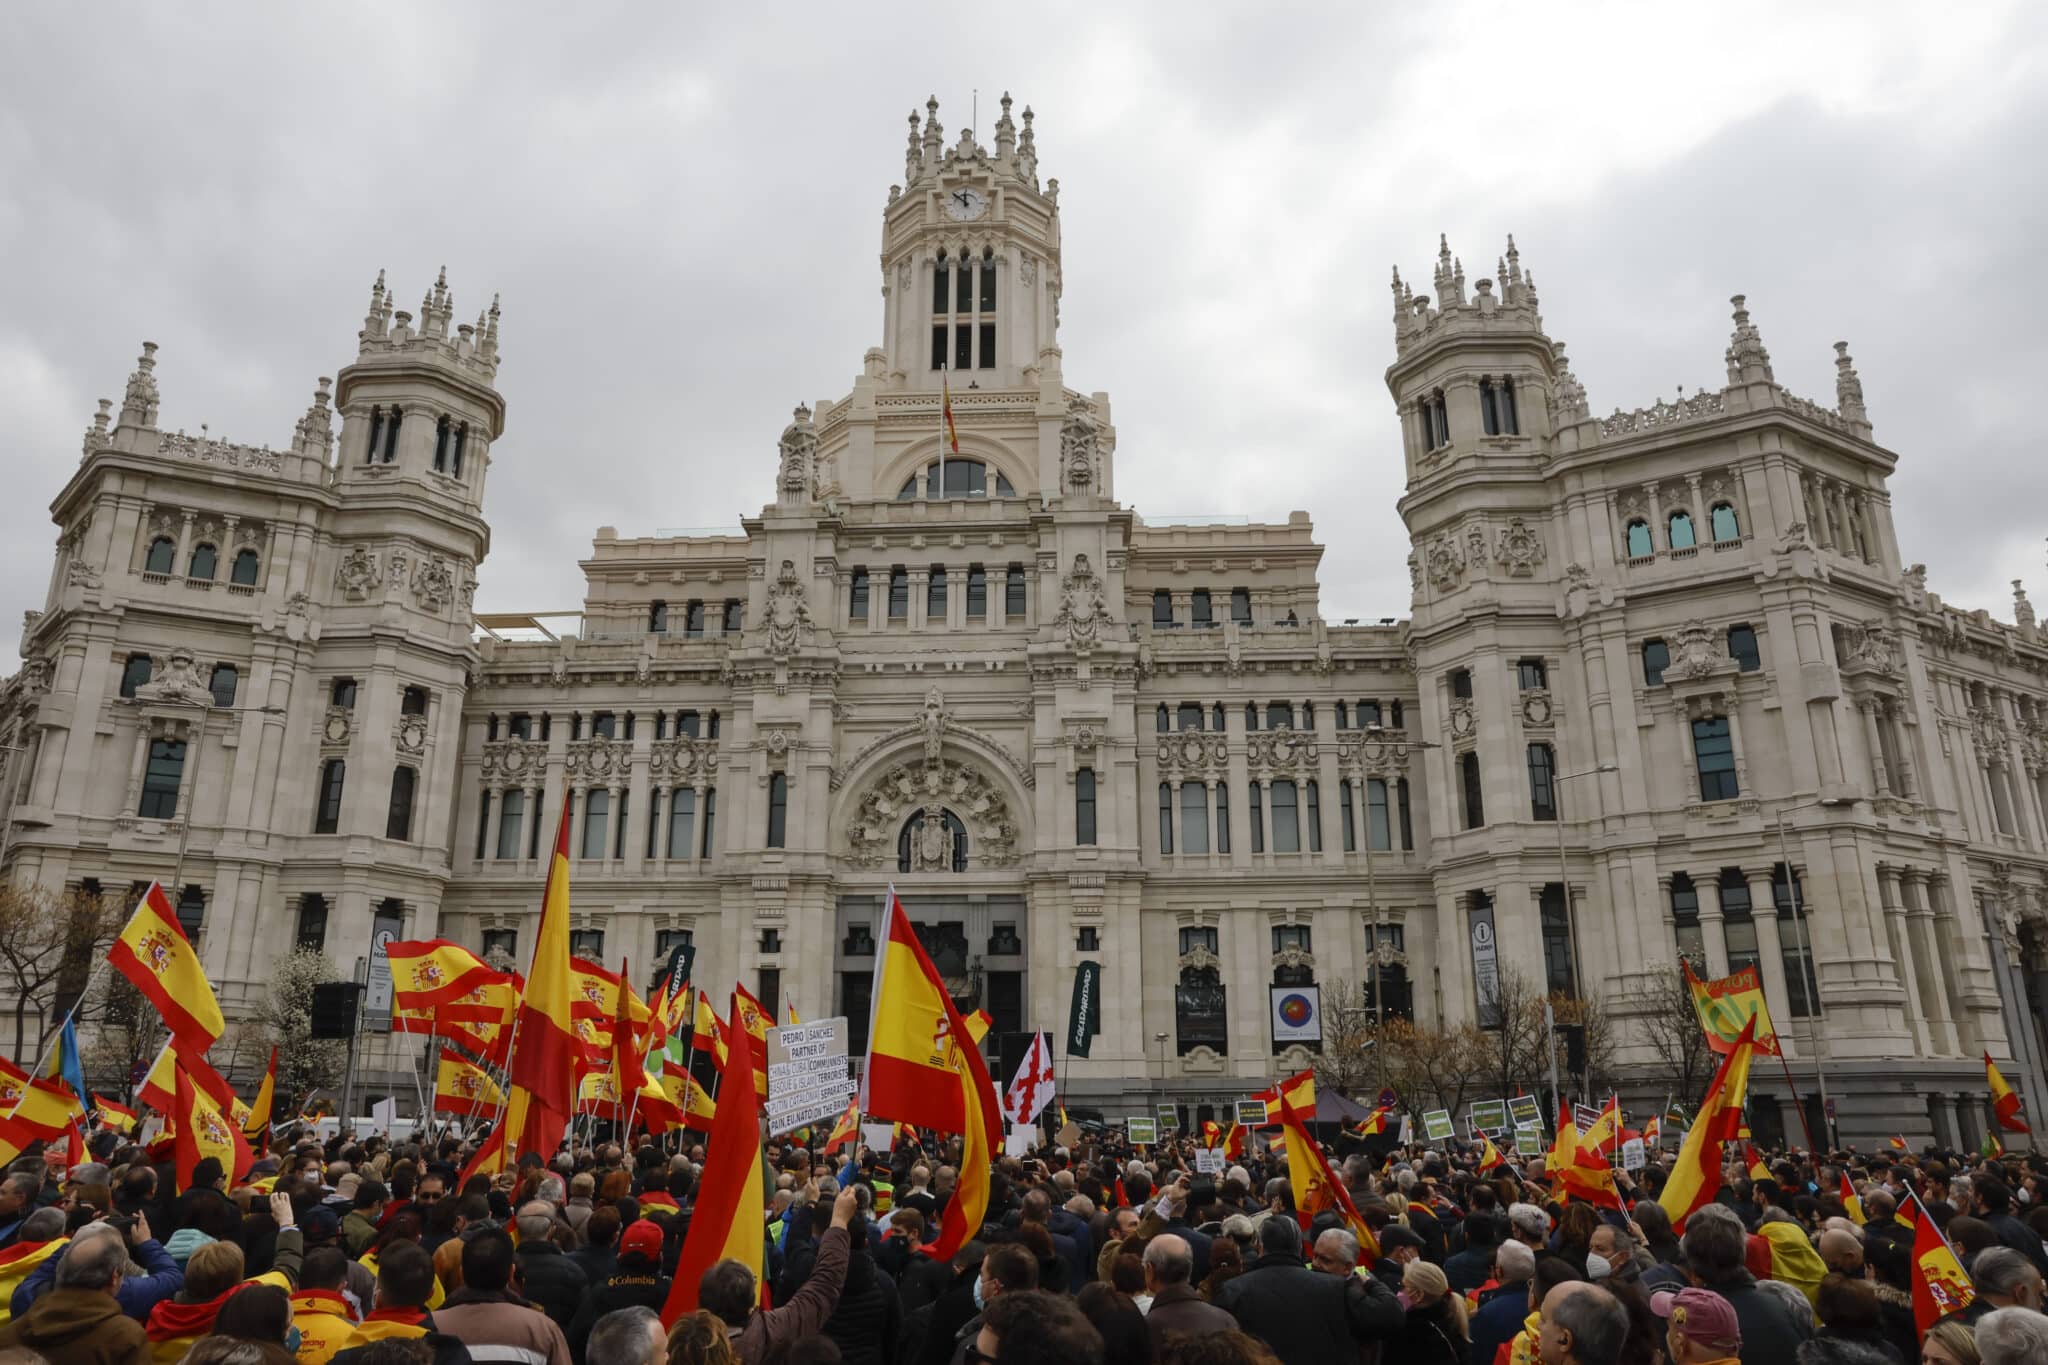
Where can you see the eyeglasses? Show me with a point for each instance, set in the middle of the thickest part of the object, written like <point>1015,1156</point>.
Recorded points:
<point>425,1196</point>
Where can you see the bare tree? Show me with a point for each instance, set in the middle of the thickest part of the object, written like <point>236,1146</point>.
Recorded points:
<point>284,1019</point>
<point>1672,1029</point>
<point>49,943</point>
<point>1517,1056</point>
<point>127,1035</point>
<point>1347,1064</point>
<point>1445,1065</point>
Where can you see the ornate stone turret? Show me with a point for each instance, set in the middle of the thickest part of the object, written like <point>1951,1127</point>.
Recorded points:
<point>315,433</point>
<point>139,403</point>
<point>1748,361</point>
<point>1849,390</point>
<point>1509,299</point>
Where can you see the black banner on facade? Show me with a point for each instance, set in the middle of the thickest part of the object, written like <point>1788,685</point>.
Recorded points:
<point>1084,1016</point>
<point>678,974</point>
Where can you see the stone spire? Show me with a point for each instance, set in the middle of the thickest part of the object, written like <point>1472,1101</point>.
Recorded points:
<point>1450,276</point>
<point>2022,609</point>
<point>1511,281</point>
<point>934,136</point>
<point>1027,150</point>
<point>138,405</point>
<point>1748,361</point>
<point>1006,133</point>
<point>437,309</point>
<point>487,352</point>
<point>379,315</point>
<point>315,433</point>
<point>913,158</point>
<point>1849,387</point>
<point>96,434</point>
<point>1568,399</point>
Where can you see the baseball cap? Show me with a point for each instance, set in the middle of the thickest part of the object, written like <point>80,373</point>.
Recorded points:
<point>319,1224</point>
<point>641,1238</point>
<point>1699,1314</point>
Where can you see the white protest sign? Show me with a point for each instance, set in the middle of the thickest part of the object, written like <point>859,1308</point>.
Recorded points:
<point>878,1137</point>
<point>1209,1161</point>
<point>1020,1139</point>
<point>1633,1157</point>
<point>809,1080</point>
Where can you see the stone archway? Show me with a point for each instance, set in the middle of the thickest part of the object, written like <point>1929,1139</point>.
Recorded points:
<point>942,782</point>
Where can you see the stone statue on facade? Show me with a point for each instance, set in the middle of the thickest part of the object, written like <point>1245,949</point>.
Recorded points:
<point>1083,612</point>
<point>934,725</point>
<point>798,447</point>
<point>1078,442</point>
<point>789,616</point>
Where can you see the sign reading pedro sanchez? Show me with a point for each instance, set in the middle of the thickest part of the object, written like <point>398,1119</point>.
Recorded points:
<point>809,1080</point>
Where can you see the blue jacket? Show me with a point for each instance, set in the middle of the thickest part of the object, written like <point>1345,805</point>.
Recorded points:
<point>1496,1320</point>
<point>137,1294</point>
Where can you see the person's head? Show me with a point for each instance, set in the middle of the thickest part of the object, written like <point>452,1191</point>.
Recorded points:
<point>1513,1262</point>
<point>1008,1268</point>
<point>1398,1244</point>
<point>1530,1225</point>
<point>1280,1237</point>
<point>213,1270</point>
<point>2013,1336</point>
<point>1651,1218</point>
<point>42,1225</point>
<point>1119,1322</point>
<point>2006,1279</point>
<point>1950,1342</point>
<point>326,1268</point>
<point>535,1220</point>
<point>1700,1326</point>
<point>1030,1328</point>
<point>218,1348</point>
<point>1611,1244</point>
<point>405,1275</point>
<point>727,1289</point>
<point>487,1261</point>
<point>1842,1251</point>
<point>1336,1252</point>
<point>1846,1305</point>
<point>629,1336</point>
<point>1168,1261</point>
<point>1214,1348</point>
<point>1582,1324</point>
<point>256,1312</point>
<point>1122,1222</point>
<point>1424,1282</point>
<point>431,1189</point>
<point>700,1338</point>
<point>1713,1244</point>
<point>371,1197</point>
<point>95,1259</point>
<point>17,1191</point>
<point>1576,1224</point>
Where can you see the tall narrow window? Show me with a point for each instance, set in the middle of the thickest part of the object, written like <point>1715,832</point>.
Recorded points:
<point>1376,816</point>
<point>1315,816</point>
<point>657,617</point>
<point>977,593</point>
<point>693,620</point>
<point>1222,817</point>
<point>1436,422</point>
<point>1685,922</point>
<point>1504,404</point>
<point>935,593</point>
<point>620,824</point>
<point>1489,415</point>
<point>483,825</point>
<point>778,809</point>
<point>1194,818</point>
<point>1800,983</point>
<point>1742,648</point>
<point>511,816</point>
<point>161,779</point>
<point>1738,920</point>
<point>1241,606</point>
<point>327,814</point>
<point>342,693</point>
<point>682,818</point>
<point>1395,717</point>
<point>1656,658</point>
<point>162,556</point>
<point>1346,816</point>
<point>1165,817</point>
<point>1013,591</point>
<point>205,563</point>
<point>455,455</point>
<point>1558,967</point>
<point>1344,715</point>
<point>248,564</point>
<point>1084,805</point>
<point>1188,716</point>
<point>391,434</point>
<point>710,820</point>
<point>734,619</point>
<point>1531,675</point>
<point>1724,523</point>
<point>1713,750</point>
<point>1678,531</point>
<point>899,593</point>
<point>376,435</point>
<point>1216,717</point>
<point>413,702</point>
<point>441,446</point>
<point>1286,817</point>
<point>857,598</point>
<point>1468,781</point>
<point>1542,782</point>
<point>1258,819</point>
<point>135,671</point>
<point>597,814</point>
<point>1200,615</point>
<point>1251,716</point>
<point>1461,684</point>
<point>1162,719</point>
<point>1639,545</point>
<point>398,815</point>
<point>1401,803</point>
<point>312,929</point>
<point>1162,609</point>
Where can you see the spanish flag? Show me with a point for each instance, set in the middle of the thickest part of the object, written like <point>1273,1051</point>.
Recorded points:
<point>114,1118</point>
<point>1939,1285</point>
<point>1605,1131</point>
<point>1212,1131</point>
<point>726,1223</point>
<point>158,960</point>
<point>1233,1141</point>
<point>1580,1170</point>
<point>1852,1201</point>
<point>431,971</point>
<point>629,1059</point>
<point>698,1110</point>
<point>203,1130</point>
<point>1696,1178</point>
<point>159,1086</point>
<point>847,1125</point>
<point>946,412</point>
<point>1315,1187</point>
<point>1298,1090</point>
<point>257,1126</point>
<point>1724,1006</point>
<point>44,1112</point>
<point>1753,1164</point>
<point>544,1046</point>
<point>923,1070</point>
<point>463,1087</point>
<point>978,1025</point>
<point>1489,1155</point>
<point>2005,1103</point>
<point>1897,1142</point>
<point>18,1262</point>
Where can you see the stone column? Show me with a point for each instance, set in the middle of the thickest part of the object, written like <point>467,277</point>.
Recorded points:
<point>579,817</point>
<point>1875,745</point>
<point>1900,936</point>
<point>1770,948</point>
<point>1927,964</point>
<point>1713,928</point>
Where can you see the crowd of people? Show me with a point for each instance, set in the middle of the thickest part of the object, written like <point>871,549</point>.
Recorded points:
<point>377,1253</point>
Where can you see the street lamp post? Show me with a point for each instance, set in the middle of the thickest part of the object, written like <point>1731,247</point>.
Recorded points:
<point>1375,952</point>
<point>1808,974</point>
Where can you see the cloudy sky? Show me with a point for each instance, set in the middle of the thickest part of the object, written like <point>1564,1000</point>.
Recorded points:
<point>681,208</point>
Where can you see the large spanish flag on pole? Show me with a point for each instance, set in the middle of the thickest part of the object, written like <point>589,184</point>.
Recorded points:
<point>256,1127</point>
<point>1940,1286</point>
<point>1316,1187</point>
<point>922,1070</point>
<point>204,1131</point>
<point>727,1222</point>
<point>1696,1178</point>
<point>544,1043</point>
<point>158,960</point>
<point>2005,1104</point>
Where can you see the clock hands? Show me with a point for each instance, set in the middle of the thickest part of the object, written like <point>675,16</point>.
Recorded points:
<point>966,200</point>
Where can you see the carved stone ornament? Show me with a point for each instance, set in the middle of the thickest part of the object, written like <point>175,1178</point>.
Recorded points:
<point>1078,439</point>
<point>1463,722</point>
<point>932,720</point>
<point>1445,562</point>
<point>357,574</point>
<point>1195,754</point>
<point>1519,549</point>
<point>1200,959</point>
<point>434,584</point>
<point>80,574</point>
<point>682,760</point>
<point>1282,751</point>
<point>935,788</point>
<point>1536,710</point>
<point>179,682</point>
<point>1083,613</point>
<point>1871,648</point>
<point>396,567</point>
<point>412,734</point>
<point>1695,653</point>
<point>1324,661</point>
<point>514,762</point>
<point>798,448</point>
<point>595,760</point>
<point>789,617</point>
<point>1294,957</point>
<point>340,723</point>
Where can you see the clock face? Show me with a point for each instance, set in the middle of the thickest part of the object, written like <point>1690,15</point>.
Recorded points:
<point>964,205</point>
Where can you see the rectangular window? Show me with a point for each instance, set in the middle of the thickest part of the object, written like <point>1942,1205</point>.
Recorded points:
<point>657,617</point>
<point>1194,818</point>
<point>1162,609</point>
<point>225,681</point>
<point>1199,614</point>
<point>161,779</point>
<point>1286,817</point>
<point>1401,804</point>
<point>1742,648</point>
<point>483,826</point>
<point>693,620</point>
<point>778,809</point>
<point>988,285</point>
<point>327,816</point>
<point>1084,806</point>
<point>857,599</point>
<point>502,944</point>
<point>689,723</point>
<point>939,339</point>
<point>1368,714</point>
<point>312,930</point>
<point>398,815</point>
<point>653,826</point>
<point>710,818</point>
<point>342,693</point>
<point>1279,715</point>
<point>1461,684</point>
<point>1475,800</point>
<point>587,944</point>
<point>1222,818</point>
<point>519,726</point>
<point>734,618</point>
<point>1376,816</point>
<point>597,814</point>
<point>899,593</point>
<point>1165,817</point>
<point>988,346</point>
<point>1558,967</point>
<point>1315,816</point>
<point>619,824</point>
<point>1531,676</point>
<point>935,593</point>
<point>963,346</point>
<point>1346,816</point>
<point>1013,591</point>
<point>977,593</point>
<point>1656,658</point>
<point>682,815</point>
<point>1542,783</point>
<point>1297,938</point>
<point>1199,940</point>
<point>1258,820</point>
<point>1713,750</point>
<point>1241,606</point>
<point>604,725</point>
<point>511,815</point>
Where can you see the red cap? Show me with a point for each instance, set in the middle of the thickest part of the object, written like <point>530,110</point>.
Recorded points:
<point>641,1238</point>
<point>1700,1314</point>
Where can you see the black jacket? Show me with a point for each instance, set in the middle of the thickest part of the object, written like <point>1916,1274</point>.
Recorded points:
<point>1306,1317</point>
<point>2013,1233</point>
<point>1770,1334</point>
<point>922,1280</point>
<point>1467,1269</point>
<point>868,1319</point>
<point>637,1286</point>
<point>951,1311</point>
<point>1428,1336</point>
<point>552,1280</point>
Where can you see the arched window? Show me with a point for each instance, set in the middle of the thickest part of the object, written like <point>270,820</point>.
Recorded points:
<point>441,435</point>
<point>1436,422</point>
<point>1162,719</point>
<point>391,434</point>
<point>1162,609</point>
<point>1286,817</point>
<point>1542,783</point>
<point>163,554</point>
<point>1216,718</point>
<point>376,435</point>
<point>1468,780</point>
<point>134,673</point>
<point>247,565</point>
<point>908,839</point>
<point>327,816</point>
<point>1497,407</point>
<point>1251,716</point>
<point>398,816</point>
<point>1344,716</point>
<point>1165,817</point>
<point>1724,523</point>
<point>963,479</point>
<point>1639,546</point>
<point>205,563</point>
<point>1678,531</point>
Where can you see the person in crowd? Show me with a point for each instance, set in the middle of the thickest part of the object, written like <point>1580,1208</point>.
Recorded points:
<point>636,1282</point>
<point>161,1279</point>
<point>1336,1252</point>
<point>1713,1249</point>
<point>1466,1270</point>
<point>320,1310</point>
<point>2006,1279</point>
<point>359,1227</point>
<point>728,1289</point>
<point>1218,1348</point>
<point>1434,1331</point>
<point>598,1257</point>
<point>1008,1267</point>
<point>547,1276</point>
<point>1036,1328</point>
<point>489,1315</point>
<point>1700,1327</point>
<point>2013,1336</point>
<point>1950,1342</point>
<point>1118,1321</point>
<point>1501,1310</point>
<point>81,1318</point>
<point>1582,1324</point>
<point>627,1336</point>
<point>1531,1226</point>
<point>1176,1307</point>
<point>1398,1247</point>
<point>1304,1316</point>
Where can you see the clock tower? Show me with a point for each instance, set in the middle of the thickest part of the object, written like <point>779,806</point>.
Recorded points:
<point>970,260</point>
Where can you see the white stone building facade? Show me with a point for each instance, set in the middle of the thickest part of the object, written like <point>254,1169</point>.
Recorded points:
<point>1066,734</point>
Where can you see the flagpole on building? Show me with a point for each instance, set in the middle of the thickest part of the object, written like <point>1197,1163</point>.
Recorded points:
<point>945,397</point>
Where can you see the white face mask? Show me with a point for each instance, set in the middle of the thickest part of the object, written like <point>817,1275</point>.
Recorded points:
<point>1597,1266</point>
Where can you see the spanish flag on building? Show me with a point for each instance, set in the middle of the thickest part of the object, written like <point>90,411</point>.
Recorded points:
<point>923,1070</point>
<point>158,960</point>
<point>1696,1178</point>
<point>2005,1103</point>
<point>727,1220</point>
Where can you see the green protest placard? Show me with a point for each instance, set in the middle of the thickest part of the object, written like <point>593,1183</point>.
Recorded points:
<point>1141,1131</point>
<point>1528,1141</point>
<point>1525,1111</point>
<point>1251,1113</point>
<point>1490,1116</point>
<point>1437,1125</point>
<point>1169,1118</point>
